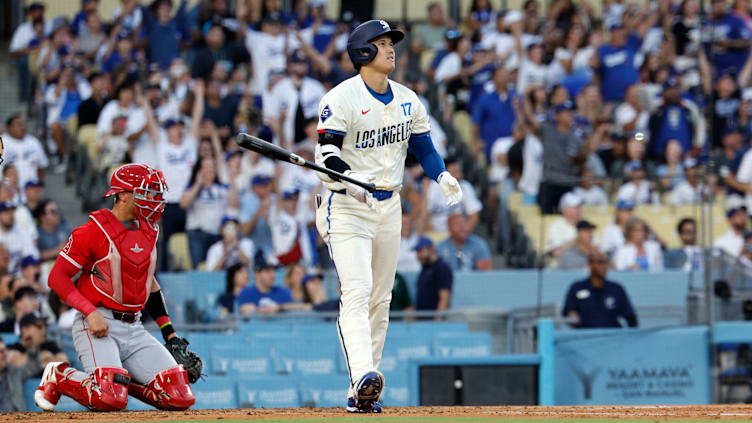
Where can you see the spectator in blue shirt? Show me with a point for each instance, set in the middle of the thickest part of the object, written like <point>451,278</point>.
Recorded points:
<point>320,28</point>
<point>614,63</point>
<point>163,32</point>
<point>53,230</point>
<point>727,39</point>
<point>263,297</point>
<point>493,115</point>
<point>464,251</point>
<point>596,302</point>
<point>435,279</point>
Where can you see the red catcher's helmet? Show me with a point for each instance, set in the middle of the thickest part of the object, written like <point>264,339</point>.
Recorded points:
<point>147,185</point>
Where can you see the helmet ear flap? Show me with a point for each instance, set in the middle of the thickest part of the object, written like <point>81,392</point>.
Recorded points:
<point>369,51</point>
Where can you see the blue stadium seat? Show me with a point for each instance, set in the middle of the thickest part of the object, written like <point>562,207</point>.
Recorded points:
<point>232,360</point>
<point>324,390</point>
<point>215,392</point>
<point>475,344</point>
<point>435,327</point>
<point>399,349</point>
<point>9,338</point>
<point>396,393</point>
<point>268,392</point>
<point>259,326</point>
<point>290,359</point>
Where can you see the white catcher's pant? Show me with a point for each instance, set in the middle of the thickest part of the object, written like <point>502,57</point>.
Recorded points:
<point>364,244</point>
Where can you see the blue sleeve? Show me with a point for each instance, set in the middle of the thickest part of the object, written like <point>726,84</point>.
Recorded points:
<point>245,297</point>
<point>421,146</point>
<point>150,21</point>
<point>484,252</point>
<point>283,296</point>
<point>479,109</point>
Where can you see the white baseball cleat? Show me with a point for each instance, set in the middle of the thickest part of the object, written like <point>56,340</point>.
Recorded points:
<point>46,396</point>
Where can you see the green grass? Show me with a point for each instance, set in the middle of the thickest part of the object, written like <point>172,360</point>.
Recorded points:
<point>372,419</point>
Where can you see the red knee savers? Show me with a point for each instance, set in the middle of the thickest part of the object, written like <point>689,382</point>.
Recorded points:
<point>169,390</point>
<point>109,392</point>
<point>174,382</point>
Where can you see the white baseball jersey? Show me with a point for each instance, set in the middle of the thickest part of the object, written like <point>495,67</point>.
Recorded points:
<point>375,135</point>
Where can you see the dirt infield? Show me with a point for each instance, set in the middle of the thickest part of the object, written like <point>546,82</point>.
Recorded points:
<point>705,412</point>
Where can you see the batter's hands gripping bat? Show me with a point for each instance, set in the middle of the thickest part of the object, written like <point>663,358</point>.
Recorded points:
<point>249,142</point>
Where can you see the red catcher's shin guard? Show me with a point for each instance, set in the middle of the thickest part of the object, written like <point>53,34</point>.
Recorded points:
<point>169,390</point>
<point>106,389</point>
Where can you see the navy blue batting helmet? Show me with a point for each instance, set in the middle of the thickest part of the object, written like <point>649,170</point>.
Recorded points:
<point>359,46</point>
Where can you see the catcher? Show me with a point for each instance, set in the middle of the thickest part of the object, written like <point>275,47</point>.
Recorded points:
<point>115,255</point>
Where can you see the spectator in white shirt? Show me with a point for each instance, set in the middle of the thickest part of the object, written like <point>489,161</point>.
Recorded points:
<point>19,48</point>
<point>562,233</point>
<point>690,190</point>
<point>62,100</point>
<point>286,229</point>
<point>590,192</point>
<point>613,234</point>
<point>630,116</point>
<point>470,205</point>
<point>293,101</point>
<point>205,202</point>
<point>124,103</point>
<point>19,242</point>
<point>176,153</point>
<point>231,249</point>
<point>408,259</point>
<point>639,253</point>
<point>532,71</point>
<point>638,189</point>
<point>267,48</point>
<point>732,241</point>
<point>24,151</point>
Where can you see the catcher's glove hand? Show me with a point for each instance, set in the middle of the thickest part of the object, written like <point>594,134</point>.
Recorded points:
<point>191,362</point>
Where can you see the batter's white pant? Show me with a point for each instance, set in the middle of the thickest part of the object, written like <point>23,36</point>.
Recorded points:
<point>364,245</point>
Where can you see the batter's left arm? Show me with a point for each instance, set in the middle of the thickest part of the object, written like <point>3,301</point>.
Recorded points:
<point>421,146</point>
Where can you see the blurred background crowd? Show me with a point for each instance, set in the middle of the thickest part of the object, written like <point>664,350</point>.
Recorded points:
<point>574,126</point>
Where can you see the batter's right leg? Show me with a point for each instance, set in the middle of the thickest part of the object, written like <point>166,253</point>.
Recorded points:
<point>103,386</point>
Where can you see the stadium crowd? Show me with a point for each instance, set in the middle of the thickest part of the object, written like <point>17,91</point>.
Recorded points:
<point>648,102</point>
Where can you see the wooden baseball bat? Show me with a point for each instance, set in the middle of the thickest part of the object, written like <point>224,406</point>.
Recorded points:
<point>249,142</point>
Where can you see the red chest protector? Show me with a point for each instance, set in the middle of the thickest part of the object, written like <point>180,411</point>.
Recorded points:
<point>124,276</point>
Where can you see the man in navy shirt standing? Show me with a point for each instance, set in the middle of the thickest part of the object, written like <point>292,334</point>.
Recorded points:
<point>434,281</point>
<point>727,39</point>
<point>596,302</point>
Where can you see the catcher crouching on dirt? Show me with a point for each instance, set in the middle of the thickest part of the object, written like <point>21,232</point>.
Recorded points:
<point>115,257</point>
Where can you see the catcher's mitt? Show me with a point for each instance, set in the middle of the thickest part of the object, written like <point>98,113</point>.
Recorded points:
<point>191,362</point>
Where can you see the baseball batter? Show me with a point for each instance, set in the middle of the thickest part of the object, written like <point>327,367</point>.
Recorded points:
<point>115,255</point>
<point>367,124</point>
